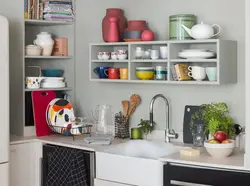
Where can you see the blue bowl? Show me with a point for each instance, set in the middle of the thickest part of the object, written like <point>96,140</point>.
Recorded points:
<point>52,72</point>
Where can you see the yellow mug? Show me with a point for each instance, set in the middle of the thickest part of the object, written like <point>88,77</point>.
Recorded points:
<point>124,73</point>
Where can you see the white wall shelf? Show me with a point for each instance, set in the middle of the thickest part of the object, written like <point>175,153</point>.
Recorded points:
<point>48,57</point>
<point>109,61</point>
<point>225,61</point>
<point>44,89</point>
<point>47,23</point>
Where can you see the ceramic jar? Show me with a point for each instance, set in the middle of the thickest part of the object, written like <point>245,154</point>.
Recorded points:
<point>45,41</point>
<point>176,32</point>
<point>139,25</point>
<point>121,23</point>
<point>113,35</point>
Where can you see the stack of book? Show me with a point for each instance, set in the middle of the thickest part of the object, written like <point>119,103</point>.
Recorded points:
<point>33,9</point>
<point>180,72</point>
<point>58,10</point>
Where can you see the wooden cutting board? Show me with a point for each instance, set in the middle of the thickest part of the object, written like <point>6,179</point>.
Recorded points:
<point>40,101</point>
<point>188,112</point>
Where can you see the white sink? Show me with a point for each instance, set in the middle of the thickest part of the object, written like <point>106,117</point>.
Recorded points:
<point>143,149</point>
<point>134,162</point>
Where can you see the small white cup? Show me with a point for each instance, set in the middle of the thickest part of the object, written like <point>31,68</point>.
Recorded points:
<point>164,52</point>
<point>106,56</point>
<point>197,73</point>
<point>114,55</point>
<point>154,54</point>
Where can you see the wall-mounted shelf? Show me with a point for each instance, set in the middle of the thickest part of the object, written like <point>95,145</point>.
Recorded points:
<point>225,60</point>
<point>46,23</point>
<point>48,57</point>
<point>44,89</point>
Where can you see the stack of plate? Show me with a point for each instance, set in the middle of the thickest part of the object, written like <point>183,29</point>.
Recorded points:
<point>53,82</point>
<point>196,54</point>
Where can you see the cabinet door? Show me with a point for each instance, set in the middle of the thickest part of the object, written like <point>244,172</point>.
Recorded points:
<point>24,165</point>
<point>99,182</point>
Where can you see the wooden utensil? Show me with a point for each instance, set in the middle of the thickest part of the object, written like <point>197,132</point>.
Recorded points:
<point>125,106</point>
<point>135,100</point>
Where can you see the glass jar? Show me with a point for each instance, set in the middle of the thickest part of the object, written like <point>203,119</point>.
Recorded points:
<point>176,32</point>
<point>198,138</point>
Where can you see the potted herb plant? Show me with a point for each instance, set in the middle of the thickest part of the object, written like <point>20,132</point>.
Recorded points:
<point>216,118</point>
<point>145,127</point>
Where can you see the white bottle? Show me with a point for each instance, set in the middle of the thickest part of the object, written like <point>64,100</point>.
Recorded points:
<point>45,41</point>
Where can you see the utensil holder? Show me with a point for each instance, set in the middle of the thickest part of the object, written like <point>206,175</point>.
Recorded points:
<point>121,126</point>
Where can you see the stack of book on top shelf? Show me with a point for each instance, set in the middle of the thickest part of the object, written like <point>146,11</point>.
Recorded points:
<point>58,10</point>
<point>180,72</point>
<point>33,9</point>
<point>54,10</point>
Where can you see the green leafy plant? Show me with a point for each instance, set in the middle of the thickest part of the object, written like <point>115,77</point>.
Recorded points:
<point>145,126</point>
<point>216,118</point>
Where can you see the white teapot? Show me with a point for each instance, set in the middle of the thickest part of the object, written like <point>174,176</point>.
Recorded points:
<point>202,31</point>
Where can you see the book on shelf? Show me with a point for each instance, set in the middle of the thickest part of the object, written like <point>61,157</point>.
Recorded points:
<point>33,9</point>
<point>181,71</point>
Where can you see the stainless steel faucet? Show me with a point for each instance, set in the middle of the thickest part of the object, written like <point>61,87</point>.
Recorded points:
<point>168,133</point>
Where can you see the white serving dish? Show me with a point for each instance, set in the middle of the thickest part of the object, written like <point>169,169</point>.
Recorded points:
<point>33,50</point>
<point>53,85</point>
<point>219,150</point>
<point>196,53</point>
<point>53,80</point>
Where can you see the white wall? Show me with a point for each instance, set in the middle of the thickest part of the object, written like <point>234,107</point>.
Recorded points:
<point>229,14</point>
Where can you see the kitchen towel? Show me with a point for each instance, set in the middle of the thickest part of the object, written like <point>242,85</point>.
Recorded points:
<point>66,167</point>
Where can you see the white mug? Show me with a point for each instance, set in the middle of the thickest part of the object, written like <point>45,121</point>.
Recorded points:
<point>197,73</point>
<point>154,54</point>
<point>164,52</point>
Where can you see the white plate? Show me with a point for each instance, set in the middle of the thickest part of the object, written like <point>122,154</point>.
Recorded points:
<point>53,85</point>
<point>196,54</point>
<point>53,79</point>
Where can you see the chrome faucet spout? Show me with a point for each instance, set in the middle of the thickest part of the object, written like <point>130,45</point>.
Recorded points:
<point>168,133</point>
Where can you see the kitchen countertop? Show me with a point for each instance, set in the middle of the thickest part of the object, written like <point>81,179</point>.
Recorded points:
<point>66,141</point>
<point>235,162</point>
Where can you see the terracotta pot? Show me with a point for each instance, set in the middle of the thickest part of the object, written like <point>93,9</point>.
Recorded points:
<point>139,25</point>
<point>121,23</point>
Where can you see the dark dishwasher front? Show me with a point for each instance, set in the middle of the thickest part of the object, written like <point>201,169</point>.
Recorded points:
<point>89,163</point>
<point>187,174</point>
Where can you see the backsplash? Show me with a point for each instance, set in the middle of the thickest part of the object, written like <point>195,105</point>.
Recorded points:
<point>89,94</point>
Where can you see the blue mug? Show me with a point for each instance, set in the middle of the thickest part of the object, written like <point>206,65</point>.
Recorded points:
<point>101,72</point>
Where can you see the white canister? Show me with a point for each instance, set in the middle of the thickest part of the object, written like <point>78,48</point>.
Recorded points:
<point>160,73</point>
<point>45,41</point>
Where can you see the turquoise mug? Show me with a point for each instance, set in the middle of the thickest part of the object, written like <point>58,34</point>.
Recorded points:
<point>101,72</point>
<point>211,73</point>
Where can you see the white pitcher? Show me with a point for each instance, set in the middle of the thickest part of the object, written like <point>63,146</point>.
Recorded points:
<point>45,41</point>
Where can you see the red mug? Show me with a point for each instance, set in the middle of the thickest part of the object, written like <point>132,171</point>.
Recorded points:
<point>113,73</point>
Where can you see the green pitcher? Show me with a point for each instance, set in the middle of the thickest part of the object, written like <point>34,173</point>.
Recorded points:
<point>176,32</point>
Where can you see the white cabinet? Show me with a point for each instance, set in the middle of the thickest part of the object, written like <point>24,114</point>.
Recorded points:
<point>99,182</point>
<point>25,166</point>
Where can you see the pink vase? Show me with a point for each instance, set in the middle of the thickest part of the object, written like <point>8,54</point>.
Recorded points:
<point>113,34</point>
<point>121,23</point>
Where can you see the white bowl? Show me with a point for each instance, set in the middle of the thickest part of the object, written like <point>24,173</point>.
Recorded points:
<point>219,150</point>
<point>122,56</point>
<point>33,50</point>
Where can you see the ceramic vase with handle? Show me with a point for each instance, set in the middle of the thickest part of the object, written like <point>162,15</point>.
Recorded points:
<point>45,41</point>
<point>121,23</point>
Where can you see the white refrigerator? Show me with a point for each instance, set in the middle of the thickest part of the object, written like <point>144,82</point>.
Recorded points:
<point>4,101</point>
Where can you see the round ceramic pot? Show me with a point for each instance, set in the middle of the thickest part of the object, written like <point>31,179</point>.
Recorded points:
<point>176,32</point>
<point>139,25</point>
<point>121,23</point>
<point>45,41</point>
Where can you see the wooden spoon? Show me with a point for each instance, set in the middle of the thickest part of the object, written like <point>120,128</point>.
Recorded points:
<point>135,100</point>
<point>125,106</point>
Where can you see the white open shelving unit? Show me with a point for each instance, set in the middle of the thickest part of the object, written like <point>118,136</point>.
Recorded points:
<point>225,61</point>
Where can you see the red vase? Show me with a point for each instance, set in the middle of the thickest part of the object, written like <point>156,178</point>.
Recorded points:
<point>113,35</point>
<point>147,35</point>
<point>121,23</point>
